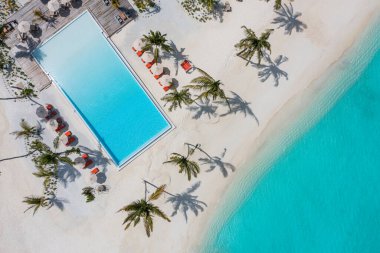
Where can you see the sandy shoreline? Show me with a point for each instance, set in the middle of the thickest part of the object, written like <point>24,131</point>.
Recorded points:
<point>310,54</point>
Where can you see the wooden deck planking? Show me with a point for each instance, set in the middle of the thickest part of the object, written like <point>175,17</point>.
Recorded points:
<point>105,15</point>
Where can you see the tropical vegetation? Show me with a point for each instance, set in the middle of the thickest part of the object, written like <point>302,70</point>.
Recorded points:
<point>36,202</point>
<point>176,98</point>
<point>185,165</point>
<point>89,193</point>
<point>209,88</point>
<point>27,131</point>
<point>251,45</point>
<point>144,5</point>
<point>154,42</point>
<point>144,210</point>
<point>27,92</point>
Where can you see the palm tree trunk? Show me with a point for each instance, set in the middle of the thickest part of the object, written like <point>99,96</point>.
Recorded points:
<point>146,182</point>
<point>12,98</point>
<point>16,157</point>
<point>197,147</point>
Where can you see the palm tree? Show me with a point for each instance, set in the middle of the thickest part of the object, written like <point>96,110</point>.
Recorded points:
<point>27,92</point>
<point>27,130</point>
<point>11,5</point>
<point>209,4</point>
<point>40,15</point>
<point>251,44</point>
<point>190,168</point>
<point>50,158</point>
<point>210,87</point>
<point>36,203</point>
<point>145,210</point>
<point>277,4</point>
<point>89,193</point>
<point>176,98</point>
<point>154,42</point>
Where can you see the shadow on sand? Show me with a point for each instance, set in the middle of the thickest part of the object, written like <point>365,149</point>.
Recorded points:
<point>289,20</point>
<point>185,202</point>
<point>217,162</point>
<point>272,69</point>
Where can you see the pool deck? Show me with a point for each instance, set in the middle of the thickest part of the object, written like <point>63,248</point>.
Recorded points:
<point>105,16</point>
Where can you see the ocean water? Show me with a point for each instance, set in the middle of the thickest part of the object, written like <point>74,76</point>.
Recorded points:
<point>323,194</point>
<point>102,89</point>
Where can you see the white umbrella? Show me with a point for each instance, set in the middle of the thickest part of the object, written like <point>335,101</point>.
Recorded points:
<point>167,81</point>
<point>147,57</point>
<point>24,26</point>
<point>20,85</point>
<point>157,69</point>
<point>53,124</point>
<point>41,112</point>
<point>53,5</point>
<point>138,44</point>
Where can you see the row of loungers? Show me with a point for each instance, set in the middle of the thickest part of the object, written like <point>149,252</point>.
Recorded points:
<point>59,125</point>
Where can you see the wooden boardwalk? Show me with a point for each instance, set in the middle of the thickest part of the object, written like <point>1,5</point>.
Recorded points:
<point>105,15</point>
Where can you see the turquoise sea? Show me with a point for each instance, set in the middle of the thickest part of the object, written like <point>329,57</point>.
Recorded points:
<point>323,193</point>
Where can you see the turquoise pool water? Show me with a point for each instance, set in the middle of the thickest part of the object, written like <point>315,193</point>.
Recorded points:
<point>323,194</point>
<point>102,89</point>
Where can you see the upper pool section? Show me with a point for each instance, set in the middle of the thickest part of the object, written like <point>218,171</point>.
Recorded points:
<point>110,99</point>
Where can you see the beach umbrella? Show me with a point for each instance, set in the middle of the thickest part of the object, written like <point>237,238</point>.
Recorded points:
<point>167,81</point>
<point>23,26</point>
<point>157,69</point>
<point>147,57</point>
<point>53,124</point>
<point>91,179</point>
<point>41,112</point>
<point>138,44</point>
<point>20,85</point>
<point>53,5</point>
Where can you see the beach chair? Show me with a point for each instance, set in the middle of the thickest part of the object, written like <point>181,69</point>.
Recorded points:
<point>95,171</point>
<point>68,133</point>
<point>139,53</point>
<point>166,88</point>
<point>70,140</point>
<point>158,76</point>
<point>88,163</point>
<point>227,7</point>
<point>49,106</point>
<point>186,65</point>
<point>60,127</point>
<point>51,114</point>
<point>150,64</point>
<point>85,156</point>
<point>59,120</point>
<point>123,16</point>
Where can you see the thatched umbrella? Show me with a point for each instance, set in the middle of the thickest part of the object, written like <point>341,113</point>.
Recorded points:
<point>23,26</point>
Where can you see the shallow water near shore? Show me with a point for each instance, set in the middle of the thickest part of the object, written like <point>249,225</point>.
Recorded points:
<point>322,194</point>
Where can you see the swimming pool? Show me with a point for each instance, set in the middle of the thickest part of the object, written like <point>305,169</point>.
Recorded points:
<point>105,92</point>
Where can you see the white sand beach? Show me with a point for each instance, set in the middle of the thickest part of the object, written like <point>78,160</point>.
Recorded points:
<point>235,139</point>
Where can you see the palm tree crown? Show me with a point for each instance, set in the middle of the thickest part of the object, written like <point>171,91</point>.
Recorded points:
<point>155,41</point>
<point>36,203</point>
<point>176,98</point>
<point>26,131</point>
<point>251,44</point>
<point>210,87</point>
<point>144,210</point>
<point>190,168</point>
<point>277,4</point>
<point>209,4</point>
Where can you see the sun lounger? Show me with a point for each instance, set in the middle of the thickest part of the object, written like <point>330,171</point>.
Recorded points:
<point>60,127</point>
<point>88,163</point>
<point>158,76</point>
<point>186,65</point>
<point>95,171</point>
<point>70,140</point>
<point>139,53</point>
<point>150,64</point>
<point>166,88</point>
<point>134,49</point>
<point>85,156</point>
<point>119,19</point>
<point>49,106</point>
<point>59,120</point>
<point>68,133</point>
<point>52,114</point>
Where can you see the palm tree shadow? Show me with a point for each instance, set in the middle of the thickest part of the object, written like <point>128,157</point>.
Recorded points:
<point>218,12</point>
<point>217,162</point>
<point>204,108</point>
<point>272,69</point>
<point>25,51</point>
<point>67,174</point>
<point>59,203</point>
<point>238,105</point>
<point>289,20</point>
<point>185,202</point>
